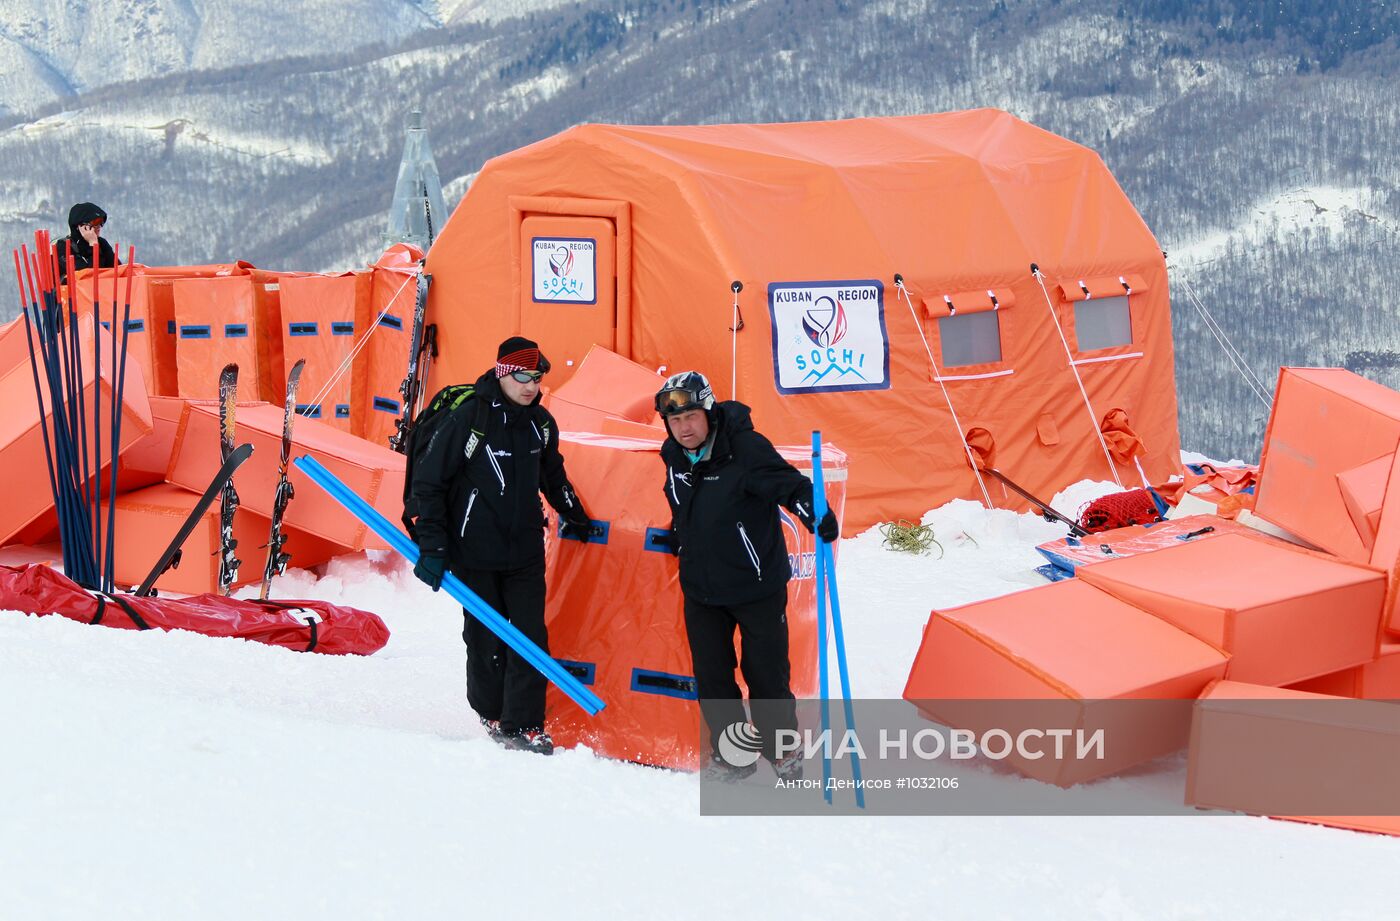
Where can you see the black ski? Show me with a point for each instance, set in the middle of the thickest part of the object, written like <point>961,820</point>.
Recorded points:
<point>413,380</point>
<point>276,559</point>
<point>228,496</point>
<point>1046,512</point>
<point>171,556</point>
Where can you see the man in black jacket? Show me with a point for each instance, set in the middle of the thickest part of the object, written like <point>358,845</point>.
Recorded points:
<point>84,238</point>
<point>479,513</point>
<point>724,483</point>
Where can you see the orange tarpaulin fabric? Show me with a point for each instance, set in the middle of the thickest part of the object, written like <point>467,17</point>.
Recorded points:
<point>1214,484</point>
<point>815,220</point>
<point>614,607</point>
<point>1048,643</point>
<point>1376,680</point>
<point>1123,443</point>
<point>1283,613</point>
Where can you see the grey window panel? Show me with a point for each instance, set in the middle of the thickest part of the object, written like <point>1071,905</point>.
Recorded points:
<point>970,339</point>
<point>1103,323</point>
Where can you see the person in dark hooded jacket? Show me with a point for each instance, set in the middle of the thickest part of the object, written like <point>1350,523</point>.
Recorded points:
<point>85,221</point>
<point>482,518</point>
<point>725,483</point>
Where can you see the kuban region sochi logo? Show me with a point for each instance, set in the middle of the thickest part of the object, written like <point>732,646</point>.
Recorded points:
<point>829,336</point>
<point>561,261</point>
<point>564,270</point>
<point>825,324</point>
<point>739,745</point>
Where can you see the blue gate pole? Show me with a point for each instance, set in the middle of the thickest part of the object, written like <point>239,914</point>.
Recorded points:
<point>826,570</point>
<point>541,660</point>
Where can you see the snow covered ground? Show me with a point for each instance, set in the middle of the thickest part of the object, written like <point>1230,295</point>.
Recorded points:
<point>154,776</point>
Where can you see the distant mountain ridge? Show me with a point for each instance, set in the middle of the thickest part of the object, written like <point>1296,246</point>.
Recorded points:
<point>1221,119</point>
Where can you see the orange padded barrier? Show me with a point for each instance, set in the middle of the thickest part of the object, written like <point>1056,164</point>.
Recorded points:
<point>815,219</point>
<point>147,520</point>
<point>1283,613</point>
<point>1378,680</point>
<point>373,473</point>
<point>1070,642</point>
<point>606,385</point>
<point>1385,553</point>
<point>150,329</point>
<point>216,322</point>
<point>1363,491</point>
<point>1325,422</point>
<point>383,361</point>
<point>318,325</point>
<point>25,493</point>
<point>614,609</point>
<point>1277,752</point>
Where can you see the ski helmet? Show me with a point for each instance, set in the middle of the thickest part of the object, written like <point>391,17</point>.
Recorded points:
<point>684,392</point>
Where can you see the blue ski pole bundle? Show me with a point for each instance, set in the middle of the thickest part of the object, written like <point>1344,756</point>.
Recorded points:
<point>826,589</point>
<point>537,657</point>
<point>72,454</point>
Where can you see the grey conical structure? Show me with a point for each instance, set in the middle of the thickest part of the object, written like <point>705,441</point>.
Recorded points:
<point>418,211</point>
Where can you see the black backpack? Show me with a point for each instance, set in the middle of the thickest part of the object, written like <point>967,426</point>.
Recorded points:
<point>445,402</point>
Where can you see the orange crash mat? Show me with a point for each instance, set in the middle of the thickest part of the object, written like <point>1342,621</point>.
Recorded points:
<point>1376,680</point>
<point>26,496</point>
<point>374,473</point>
<point>1103,659</point>
<point>1284,614</point>
<point>614,606</point>
<point>147,520</point>
<point>1291,754</point>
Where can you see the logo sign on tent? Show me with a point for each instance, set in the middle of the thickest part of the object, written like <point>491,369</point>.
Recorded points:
<point>829,336</point>
<point>565,270</point>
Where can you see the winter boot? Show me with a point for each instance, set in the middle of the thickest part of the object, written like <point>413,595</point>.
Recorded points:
<point>789,767</point>
<point>493,729</point>
<point>722,771</point>
<point>528,740</point>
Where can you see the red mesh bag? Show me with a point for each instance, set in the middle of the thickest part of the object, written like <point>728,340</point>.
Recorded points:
<point>1119,510</point>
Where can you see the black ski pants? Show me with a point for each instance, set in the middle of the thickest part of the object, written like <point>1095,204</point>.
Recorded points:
<point>763,635</point>
<point>500,684</point>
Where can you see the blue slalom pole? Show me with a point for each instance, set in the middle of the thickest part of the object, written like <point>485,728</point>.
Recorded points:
<point>823,669</point>
<point>541,660</point>
<point>826,573</point>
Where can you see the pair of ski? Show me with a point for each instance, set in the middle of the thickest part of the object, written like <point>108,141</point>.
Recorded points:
<point>221,487</point>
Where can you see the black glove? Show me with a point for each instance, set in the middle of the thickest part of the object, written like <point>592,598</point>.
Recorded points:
<point>828,529</point>
<point>575,524</point>
<point>430,568</point>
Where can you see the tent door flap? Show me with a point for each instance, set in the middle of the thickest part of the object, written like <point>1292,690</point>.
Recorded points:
<point>568,288</point>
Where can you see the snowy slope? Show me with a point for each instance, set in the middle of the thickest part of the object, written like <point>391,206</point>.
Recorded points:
<point>160,776</point>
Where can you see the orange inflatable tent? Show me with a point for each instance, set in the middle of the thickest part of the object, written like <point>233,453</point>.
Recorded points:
<point>631,238</point>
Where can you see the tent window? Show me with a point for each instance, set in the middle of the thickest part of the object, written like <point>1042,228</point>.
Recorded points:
<point>1103,323</point>
<point>970,339</point>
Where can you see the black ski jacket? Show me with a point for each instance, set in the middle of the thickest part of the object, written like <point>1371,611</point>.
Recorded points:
<point>82,250</point>
<point>486,513</point>
<point>724,511</point>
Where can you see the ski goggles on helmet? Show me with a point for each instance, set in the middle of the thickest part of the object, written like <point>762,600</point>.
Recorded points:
<point>678,400</point>
<point>527,377</point>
